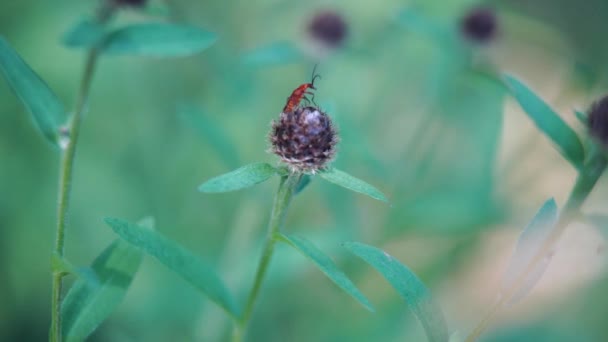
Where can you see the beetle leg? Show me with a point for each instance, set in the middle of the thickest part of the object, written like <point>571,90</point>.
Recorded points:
<point>313,100</point>
<point>304,98</point>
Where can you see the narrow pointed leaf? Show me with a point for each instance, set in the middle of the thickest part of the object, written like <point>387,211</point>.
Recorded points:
<point>326,265</point>
<point>548,122</point>
<point>582,117</point>
<point>87,33</point>
<point>59,264</point>
<point>158,40</point>
<point>187,265</point>
<point>88,304</point>
<point>528,246</point>
<point>304,182</point>
<point>409,286</point>
<point>347,181</point>
<point>46,109</point>
<point>240,178</point>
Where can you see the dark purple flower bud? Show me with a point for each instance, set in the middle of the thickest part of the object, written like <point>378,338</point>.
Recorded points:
<point>479,25</point>
<point>131,3</point>
<point>598,121</point>
<point>305,139</point>
<point>328,28</point>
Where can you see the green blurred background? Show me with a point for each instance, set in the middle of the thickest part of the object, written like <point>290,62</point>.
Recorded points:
<point>419,118</point>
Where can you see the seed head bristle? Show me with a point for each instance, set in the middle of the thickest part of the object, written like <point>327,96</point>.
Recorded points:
<point>305,139</point>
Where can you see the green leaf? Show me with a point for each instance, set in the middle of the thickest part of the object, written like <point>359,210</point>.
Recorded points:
<point>87,33</point>
<point>48,112</point>
<point>283,171</point>
<point>529,244</point>
<point>345,180</point>
<point>61,265</point>
<point>158,40</point>
<point>582,117</point>
<point>212,132</point>
<point>278,53</point>
<point>548,122</point>
<point>408,286</point>
<point>326,265</point>
<point>240,178</point>
<point>88,304</point>
<point>304,182</point>
<point>187,265</point>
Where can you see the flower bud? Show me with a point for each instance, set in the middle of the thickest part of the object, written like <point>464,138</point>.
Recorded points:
<point>131,3</point>
<point>598,121</point>
<point>479,25</point>
<point>305,139</point>
<point>328,28</point>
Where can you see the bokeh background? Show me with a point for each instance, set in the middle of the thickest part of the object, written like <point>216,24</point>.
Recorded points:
<point>419,116</point>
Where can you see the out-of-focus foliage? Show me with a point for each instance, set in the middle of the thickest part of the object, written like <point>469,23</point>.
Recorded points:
<point>47,111</point>
<point>549,122</point>
<point>420,115</point>
<point>89,303</point>
<point>530,240</point>
<point>409,286</point>
<point>326,265</point>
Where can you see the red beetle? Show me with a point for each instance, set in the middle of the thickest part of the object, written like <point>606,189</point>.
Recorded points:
<point>300,93</point>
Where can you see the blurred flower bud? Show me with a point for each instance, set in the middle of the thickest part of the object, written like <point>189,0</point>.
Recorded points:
<point>131,3</point>
<point>598,121</point>
<point>305,139</point>
<point>479,25</point>
<point>328,28</point>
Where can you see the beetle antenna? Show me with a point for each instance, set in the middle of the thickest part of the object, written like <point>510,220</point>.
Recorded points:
<point>314,75</point>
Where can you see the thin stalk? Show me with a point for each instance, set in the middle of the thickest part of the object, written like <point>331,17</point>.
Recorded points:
<point>104,14</point>
<point>587,178</point>
<point>66,170</point>
<point>65,185</point>
<point>277,218</point>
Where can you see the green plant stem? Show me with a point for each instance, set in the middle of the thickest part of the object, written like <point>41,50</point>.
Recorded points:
<point>277,217</point>
<point>104,14</point>
<point>586,180</point>
<point>65,184</point>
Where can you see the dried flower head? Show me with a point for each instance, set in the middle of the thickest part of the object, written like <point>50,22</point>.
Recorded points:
<point>328,28</point>
<point>479,25</point>
<point>305,139</point>
<point>598,121</point>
